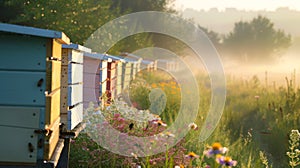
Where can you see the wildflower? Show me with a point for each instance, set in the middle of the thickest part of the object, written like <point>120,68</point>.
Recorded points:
<point>121,120</point>
<point>156,117</point>
<point>152,141</point>
<point>192,155</point>
<point>169,134</point>
<point>225,160</point>
<point>116,115</point>
<point>120,127</point>
<point>256,97</point>
<point>216,148</point>
<point>179,166</point>
<point>134,155</point>
<point>193,126</point>
<point>152,162</point>
<point>295,136</point>
<point>294,152</point>
<point>160,123</point>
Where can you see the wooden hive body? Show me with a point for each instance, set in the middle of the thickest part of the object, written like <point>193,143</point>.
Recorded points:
<point>30,70</point>
<point>72,85</point>
<point>95,78</point>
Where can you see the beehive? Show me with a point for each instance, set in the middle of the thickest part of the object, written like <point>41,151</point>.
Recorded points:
<point>30,70</point>
<point>103,78</point>
<point>72,85</point>
<point>126,75</point>
<point>112,75</point>
<point>95,74</point>
<point>135,60</point>
<point>119,86</point>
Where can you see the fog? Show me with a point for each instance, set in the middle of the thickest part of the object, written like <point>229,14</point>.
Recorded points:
<point>276,69</point>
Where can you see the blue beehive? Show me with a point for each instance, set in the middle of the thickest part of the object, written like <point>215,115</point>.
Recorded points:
<point>30,70</point>
<point>72,85</point>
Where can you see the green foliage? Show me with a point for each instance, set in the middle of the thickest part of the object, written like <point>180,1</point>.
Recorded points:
<point>139,94</point>
<point>142,5</point>
<point>256,40</point>
<point>78,19</point>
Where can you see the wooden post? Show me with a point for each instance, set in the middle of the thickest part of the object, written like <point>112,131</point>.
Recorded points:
<point>64,156</point>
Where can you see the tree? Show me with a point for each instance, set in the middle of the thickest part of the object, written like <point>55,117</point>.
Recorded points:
<point>78,19</point>
<point>143,40</point>
<point>214,37</point>
<point>256,41</point>
<point>142,5</point>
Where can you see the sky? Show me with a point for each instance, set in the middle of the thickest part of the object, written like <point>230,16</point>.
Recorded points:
<point>269,5</point>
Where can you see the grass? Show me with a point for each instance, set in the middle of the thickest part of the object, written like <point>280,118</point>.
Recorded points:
<point>255,125</point>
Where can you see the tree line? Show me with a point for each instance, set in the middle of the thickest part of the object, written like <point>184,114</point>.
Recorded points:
<point>255,40</point>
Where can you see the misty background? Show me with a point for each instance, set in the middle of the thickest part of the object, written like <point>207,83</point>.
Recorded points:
<point>79,19</point>
<point>283,65</point>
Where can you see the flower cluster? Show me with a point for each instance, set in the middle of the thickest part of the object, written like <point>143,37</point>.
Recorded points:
<point>294,153</point>
<point>215,150</point>
<point>191,155</point>
<point>225,160</point>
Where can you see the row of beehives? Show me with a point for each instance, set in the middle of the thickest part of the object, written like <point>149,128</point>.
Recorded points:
<point>46,82</point>
<point>107,75</point>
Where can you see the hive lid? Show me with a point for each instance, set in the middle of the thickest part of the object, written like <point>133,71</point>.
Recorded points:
<point>77,47</point>
<point>60,36</point>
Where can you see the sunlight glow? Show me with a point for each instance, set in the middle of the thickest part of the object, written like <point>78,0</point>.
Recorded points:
<point>269,5</point>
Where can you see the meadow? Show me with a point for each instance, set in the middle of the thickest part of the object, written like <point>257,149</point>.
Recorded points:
<point>255,129</point>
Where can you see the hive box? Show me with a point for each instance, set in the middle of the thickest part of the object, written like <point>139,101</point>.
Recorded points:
<point>112,76</point>
<point>95,78</point>
<point>30,70</point>
<point>72,85</point>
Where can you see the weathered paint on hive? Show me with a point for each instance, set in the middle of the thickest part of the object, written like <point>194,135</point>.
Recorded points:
<point>14,150</point>
<point>75,94</point>
<point>19,123</point>
<point>71,56</point>
<point>22,52</point>
<point>26,117</point>
<point>72,89</point>
<point>26,93</point>
<point>75,73</point>
<point>30,73</point>
<point>75,116</point>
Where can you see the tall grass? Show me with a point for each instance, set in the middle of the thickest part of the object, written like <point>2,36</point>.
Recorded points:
<point>255,125</point>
